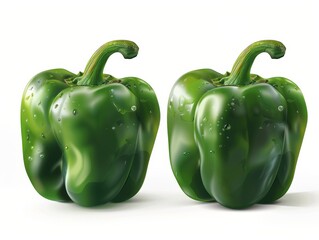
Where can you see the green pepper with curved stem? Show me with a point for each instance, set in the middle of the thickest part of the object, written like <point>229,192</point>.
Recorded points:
<point>88,138</point>
<point>235,138</point>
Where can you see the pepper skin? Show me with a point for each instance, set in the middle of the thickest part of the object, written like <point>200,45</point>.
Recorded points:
<point>235,138</point>
<point>87,138</point>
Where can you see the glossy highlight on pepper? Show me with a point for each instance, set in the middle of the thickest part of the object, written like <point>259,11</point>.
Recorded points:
<point>88,137</point>
<point>235,138</point>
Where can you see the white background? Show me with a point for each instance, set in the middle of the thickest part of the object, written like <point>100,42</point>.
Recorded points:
<point>174,38</point>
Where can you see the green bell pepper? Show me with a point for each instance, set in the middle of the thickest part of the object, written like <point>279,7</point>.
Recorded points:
<point>87,138</point>
<point>235,138</point>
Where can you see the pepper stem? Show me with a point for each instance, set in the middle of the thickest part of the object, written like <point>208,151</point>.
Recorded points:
<point>240,74</point>
<point>93,73</point>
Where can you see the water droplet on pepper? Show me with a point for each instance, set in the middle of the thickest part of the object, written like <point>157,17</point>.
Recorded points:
<point>226,127</point>
<point>280,108</point>
<point>133,108</point>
